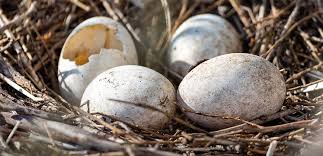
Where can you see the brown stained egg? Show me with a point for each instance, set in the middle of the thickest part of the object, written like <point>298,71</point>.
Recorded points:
<point>231,85</point>
<point>128,93</point>
<point>94,46</point>
<point>198,38</point>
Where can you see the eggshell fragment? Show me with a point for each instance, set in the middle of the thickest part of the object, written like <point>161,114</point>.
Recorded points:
<point>231,85</point>
<point>118,91</point>
<point>94,46</point>
<point>198,38</point>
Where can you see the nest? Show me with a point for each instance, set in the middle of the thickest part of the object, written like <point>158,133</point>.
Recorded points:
<point>35,120</point>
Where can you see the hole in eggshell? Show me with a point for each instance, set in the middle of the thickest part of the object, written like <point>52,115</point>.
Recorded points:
<point>88,41</point>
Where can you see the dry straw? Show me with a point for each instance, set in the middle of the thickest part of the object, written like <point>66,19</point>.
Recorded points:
<point>288,33</point>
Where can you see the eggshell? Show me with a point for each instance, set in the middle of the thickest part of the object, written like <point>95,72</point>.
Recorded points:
<point>231,85</point>
<point>134,84</point>
<point>198,38</point>
<point>94,46</point>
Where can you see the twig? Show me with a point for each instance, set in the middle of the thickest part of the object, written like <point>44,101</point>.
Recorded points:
<point>19,19</point>
<point>6,105</point>
<point>95,8</point>
<point>272,148</point>
<point>314,87</point>
<point>235,4</point>
<point>8,45</point>
<point>68,133</point>
<point>283,127</point>
<point>314,50</point>
<point>81,5</point>
<point>306,85</point>
<point>13,132</point>
<point>183,9</point>
<point>299,138</point>
<point>167,16</point>
<point>258,121</point>
<point>248,140</point>
<point>129,151</point>
<point>23,60</point>
<point>2,142</point>
<point>225,117</point>
<point>269,52</point>
<point>105,124</point>
<point>127,24</point>
<point>178,120</point>
<point>49,134</point>
<point>67,106</point>
<point>214,138</point>
<point>292,16</point>
<point>44,59</point>
<point>40,138</point>
<point>212,7</point>
<point>165,113</point>
<point>114,129</point>
<point>20,89</point>
<point>109,10</point>
<point>186,15</point>
<point>50,54</point>
<point>272,17</point>
<point>223,148</point>
<point>298,75</point>
<point>178,21</point>
<point>250,13</point>
<point>229,133</point>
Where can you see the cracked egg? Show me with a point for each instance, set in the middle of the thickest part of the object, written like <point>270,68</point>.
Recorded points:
<point>94,46</point>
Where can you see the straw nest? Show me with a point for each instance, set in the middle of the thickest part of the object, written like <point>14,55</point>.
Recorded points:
<point>35,120</point>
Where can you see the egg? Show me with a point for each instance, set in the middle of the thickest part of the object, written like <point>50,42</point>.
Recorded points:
<point>127,93</point>
<point>95,45</point>
<point>231,85</point>
<point>198,38</point>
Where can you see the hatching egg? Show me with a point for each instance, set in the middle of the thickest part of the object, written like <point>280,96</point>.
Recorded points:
<point>235,85</point>
<point>132,94</point>
<point>198,38</point>
<point>95,45</point>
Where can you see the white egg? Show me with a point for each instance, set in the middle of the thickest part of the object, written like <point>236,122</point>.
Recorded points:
<point>94,46</point>
<point>131,85</point>
<point>231,85</point>
<point>198,38</point>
